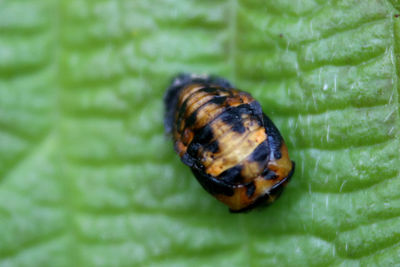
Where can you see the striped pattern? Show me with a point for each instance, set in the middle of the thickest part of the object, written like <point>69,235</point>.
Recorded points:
<point>223,134</point>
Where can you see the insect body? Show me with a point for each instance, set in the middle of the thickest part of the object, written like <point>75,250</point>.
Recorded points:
<point>233,149</point>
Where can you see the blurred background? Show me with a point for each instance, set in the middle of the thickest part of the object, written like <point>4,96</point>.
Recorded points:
<point>88,178</point>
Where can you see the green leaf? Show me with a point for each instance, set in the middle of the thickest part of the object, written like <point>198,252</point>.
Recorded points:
<point>88,178</point>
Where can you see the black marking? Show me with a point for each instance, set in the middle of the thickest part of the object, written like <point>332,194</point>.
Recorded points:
<point>250,189</point>
<point>203,135</point>
<point>218,100</point>
<point>260,154</point>
<point>188,160</point>
<point>269,174</point>
<point>237,111</point>
<point>212,147</point>
<point>275,193</point>
<point>183,107</point>
<point>257,109</point>
<point>179,82</point>
<point>214,90</point>
<point>211,184</point>
<point>191,120</point>
<point>275,139</point>
<point>233,117</point>
<point>171,100</point>
<point>232,175</point>
<point>181,112</point>
<point>238,127</point>
<point>193,149</point>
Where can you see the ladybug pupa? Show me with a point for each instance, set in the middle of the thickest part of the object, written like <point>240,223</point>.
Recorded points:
<point>233,149</point>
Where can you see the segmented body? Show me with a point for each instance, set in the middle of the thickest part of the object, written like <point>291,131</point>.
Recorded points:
<point>234,150</point>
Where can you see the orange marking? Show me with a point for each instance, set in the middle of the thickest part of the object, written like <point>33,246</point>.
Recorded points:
<point>187,136</point>
<point>181,148</point>
<point>240,200</point>
<point>282,166</point>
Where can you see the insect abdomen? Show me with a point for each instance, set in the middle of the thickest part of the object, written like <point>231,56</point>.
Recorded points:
<point>223,135</point>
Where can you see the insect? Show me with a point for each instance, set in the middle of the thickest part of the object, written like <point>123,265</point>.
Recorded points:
<point>233,149</point>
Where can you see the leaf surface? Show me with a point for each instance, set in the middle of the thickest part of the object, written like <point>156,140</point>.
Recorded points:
<point>88,178</point>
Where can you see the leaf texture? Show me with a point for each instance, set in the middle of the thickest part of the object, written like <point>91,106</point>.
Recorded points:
<point>88,178</point>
